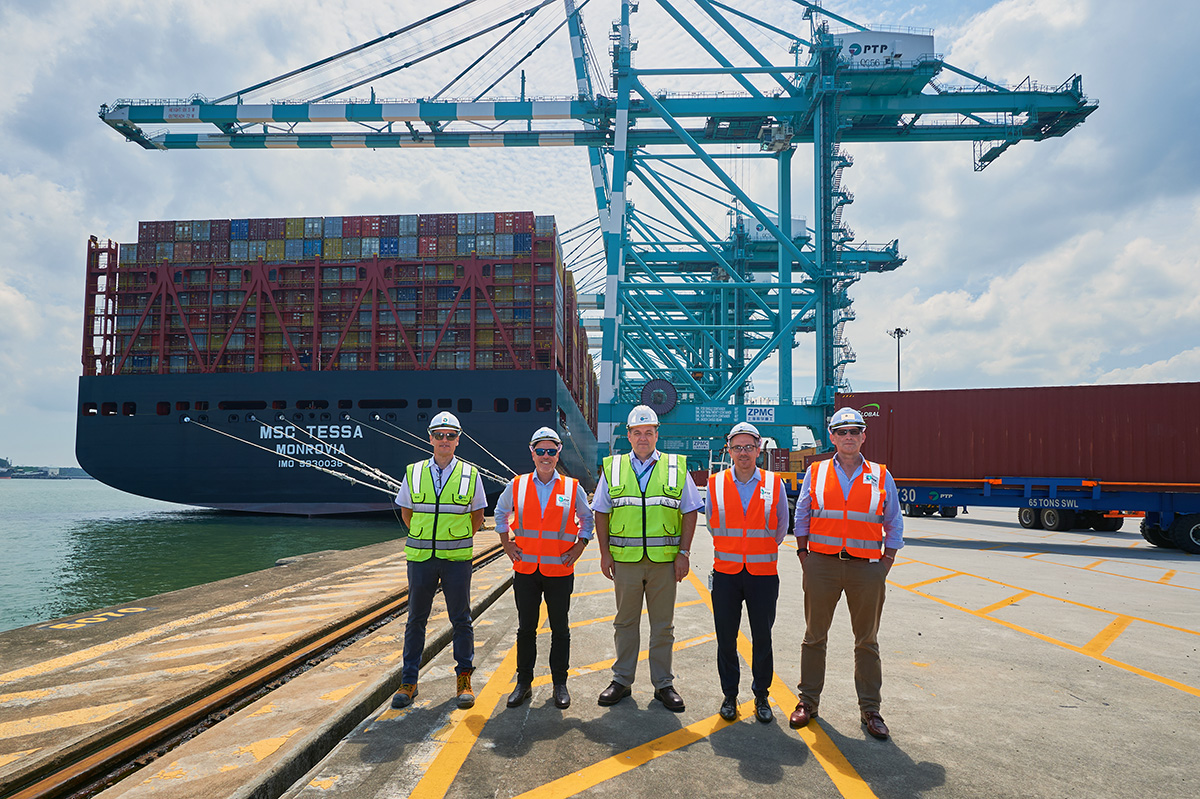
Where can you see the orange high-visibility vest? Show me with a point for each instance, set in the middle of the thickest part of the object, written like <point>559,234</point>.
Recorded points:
<point>744,538</point>
<point>544,538</point>
<point>854,524</point>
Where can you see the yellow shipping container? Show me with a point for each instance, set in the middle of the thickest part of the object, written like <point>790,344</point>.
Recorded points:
<point>275,250</point>
<point>294,227</point>
<point>333,249</point>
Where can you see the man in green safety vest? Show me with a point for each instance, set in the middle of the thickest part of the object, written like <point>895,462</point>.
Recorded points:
<point>442,502</point>
<point>645,506</point>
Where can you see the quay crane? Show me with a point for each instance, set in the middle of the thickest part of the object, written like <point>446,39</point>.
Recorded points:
<point>690,308</point>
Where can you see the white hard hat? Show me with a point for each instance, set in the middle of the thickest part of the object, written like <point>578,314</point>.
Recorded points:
<point>544,434</point>
<point>846,417</point>
<point>641,415</point>
<point>444,421</point>
<point>744,428</point>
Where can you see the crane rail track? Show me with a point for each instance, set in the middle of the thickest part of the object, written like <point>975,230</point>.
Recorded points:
<point>105,761</point>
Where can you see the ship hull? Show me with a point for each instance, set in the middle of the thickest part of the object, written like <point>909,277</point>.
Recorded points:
<point>257,442</point>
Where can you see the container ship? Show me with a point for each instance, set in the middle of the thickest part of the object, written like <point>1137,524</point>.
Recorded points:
<point>253,364</point>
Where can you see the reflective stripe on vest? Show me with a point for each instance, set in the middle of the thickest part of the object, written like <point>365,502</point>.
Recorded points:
<point>744,537</point>
<point>441,524</point>
<point>544,536</point>
<point>645,524</point>
<point>855,523</point>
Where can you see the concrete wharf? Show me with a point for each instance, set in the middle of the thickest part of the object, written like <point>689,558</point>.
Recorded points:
<point>1017,663</point>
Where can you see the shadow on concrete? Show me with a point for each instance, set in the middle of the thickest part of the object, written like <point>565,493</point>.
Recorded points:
<point>762,751</point>
<point>885,766</point>
<point>1055,548</point>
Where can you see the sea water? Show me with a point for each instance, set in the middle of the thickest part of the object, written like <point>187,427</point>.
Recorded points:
<point>70,546</point>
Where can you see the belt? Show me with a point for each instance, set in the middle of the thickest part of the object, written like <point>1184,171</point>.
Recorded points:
<point>844,555</point>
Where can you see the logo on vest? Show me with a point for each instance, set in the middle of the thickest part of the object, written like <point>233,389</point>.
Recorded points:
<point>563,501</point>
<point>870,479</point>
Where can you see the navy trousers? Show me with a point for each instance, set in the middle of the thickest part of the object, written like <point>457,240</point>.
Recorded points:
<point>423,579</point>
<point>760,593</point>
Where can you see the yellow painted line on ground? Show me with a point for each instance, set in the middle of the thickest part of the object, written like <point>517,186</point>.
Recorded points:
<point>117,644</point>
<point>627,761</point>
<point>1042,594</point>
<point>12,757</point>
<point>340,693</point>
<point>1033,555</point>
<point>1093,564</point>
<point>465,727</point>
<point>220,645</point>
<point>40,693</point>
<point>1166,578</point>
<point>998,546</point>
<point>932,580</point>
<point>1104,639</point>
<point>1003,603</point>
<point>1188,689</point>
<point>844,776</point>
<point>61,721</point>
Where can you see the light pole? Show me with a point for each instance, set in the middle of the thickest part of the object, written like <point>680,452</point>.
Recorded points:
<point>898,334</point>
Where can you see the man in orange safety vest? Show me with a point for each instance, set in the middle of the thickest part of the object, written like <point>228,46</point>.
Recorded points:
<point>551,524</point>
<point>848,529</point>
<point>747,512</point>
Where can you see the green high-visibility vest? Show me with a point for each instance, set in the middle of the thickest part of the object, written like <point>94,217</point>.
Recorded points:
<point>646,524</point>
<point>441,523</point>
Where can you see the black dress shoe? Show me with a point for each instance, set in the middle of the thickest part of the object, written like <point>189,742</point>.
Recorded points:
<point>729,708</point>
<point>670,698</point>
<point>874,724</point>
<point>762,710</point>
<point>520,694</point>
<point>562,699</point>
<point>614,693</point>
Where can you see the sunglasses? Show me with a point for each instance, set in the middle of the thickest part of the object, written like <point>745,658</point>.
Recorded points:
<point>744,448</point>
<point>444,436</point>
<point>544,451</point>
<point>848,431</point>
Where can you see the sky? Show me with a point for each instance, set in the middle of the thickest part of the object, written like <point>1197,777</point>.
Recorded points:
<point>1070,261</point>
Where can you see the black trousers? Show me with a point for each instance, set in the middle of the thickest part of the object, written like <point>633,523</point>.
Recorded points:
<point>528,590</point>
<point>760,592</point>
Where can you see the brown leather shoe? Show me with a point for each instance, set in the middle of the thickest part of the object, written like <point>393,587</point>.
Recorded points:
<point>803,714</point>
<point>670,698</point>
<point>614,693</point>
<point>874,724</point>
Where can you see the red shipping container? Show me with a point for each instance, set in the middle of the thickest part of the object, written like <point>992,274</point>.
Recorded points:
<point>1117,433</point>
<point>523,222</point>
<point>447,224</point>
<point>370,226</point>
<point>504,222</point>
<point>389,225</point>
<point>257,229</point>
<point>427,246</point>
<point>183,251</point>
<point>218,230</point>
<point>276,229</point>
<point>351,227</point>
<point>147,231</point>
<point>427,225</point>
<point>201,250</point>
<point>218,250</point>
<point>166,231</point>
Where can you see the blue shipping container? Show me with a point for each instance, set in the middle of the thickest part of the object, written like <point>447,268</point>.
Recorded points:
<point>333,227</point>
<point>239,228</point>
<point>406,246</point>
<point>522,242</point>
<point>293,249</point>
<point>239,250</point>
<point>312,247</point>
<point>389,245</point>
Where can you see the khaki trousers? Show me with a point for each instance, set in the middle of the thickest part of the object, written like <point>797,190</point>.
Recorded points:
<point>826,578</point>
<point>654,583</point>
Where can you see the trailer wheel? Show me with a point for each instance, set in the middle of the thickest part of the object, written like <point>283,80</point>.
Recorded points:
<point>1185,532</point>
<point>1156,535</point>
<point>1106,524</point>
<point>1029,518</point>
<point>1060,520</point>
<point>948,511</point>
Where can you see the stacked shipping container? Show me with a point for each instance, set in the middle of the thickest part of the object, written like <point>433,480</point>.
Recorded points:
<point>400,292</point>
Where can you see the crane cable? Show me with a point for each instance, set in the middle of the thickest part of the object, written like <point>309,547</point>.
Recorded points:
<point>361,467</point>
<point>338,475</point>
